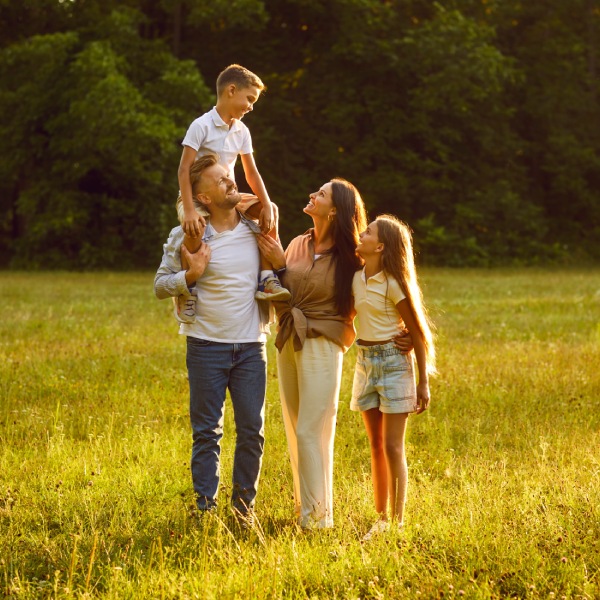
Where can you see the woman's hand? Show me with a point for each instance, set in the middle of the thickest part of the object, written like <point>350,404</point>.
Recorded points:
<point>403,341</point>
<point>271,250</point>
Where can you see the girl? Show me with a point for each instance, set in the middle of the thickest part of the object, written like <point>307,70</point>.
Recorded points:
<point>387,295</point>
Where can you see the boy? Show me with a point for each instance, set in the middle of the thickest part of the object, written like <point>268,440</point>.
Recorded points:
<point>221,132</point>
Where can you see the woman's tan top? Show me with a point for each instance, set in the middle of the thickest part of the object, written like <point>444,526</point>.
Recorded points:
<point>311,312</point>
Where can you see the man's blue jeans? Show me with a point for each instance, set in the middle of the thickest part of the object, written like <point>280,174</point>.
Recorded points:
<point>212,368</point>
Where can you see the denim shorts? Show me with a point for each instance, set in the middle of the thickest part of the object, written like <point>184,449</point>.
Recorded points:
<point>385,379</point>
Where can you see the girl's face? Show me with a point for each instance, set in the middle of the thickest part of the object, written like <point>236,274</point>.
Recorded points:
<point>320,204</point>
<point>369,243</point>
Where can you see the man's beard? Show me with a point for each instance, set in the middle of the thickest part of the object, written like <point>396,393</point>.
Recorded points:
<point>232,201</point>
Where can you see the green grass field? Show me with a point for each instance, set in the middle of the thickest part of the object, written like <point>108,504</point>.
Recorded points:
<point>95,490</point>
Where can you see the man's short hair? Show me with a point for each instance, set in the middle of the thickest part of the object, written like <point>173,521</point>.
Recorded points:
<point>199,166</point>
<point>240,77</point>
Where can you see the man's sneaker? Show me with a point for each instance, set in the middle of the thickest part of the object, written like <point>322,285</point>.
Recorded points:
<point>184,307</point>
<point>245,521</point>
<point>270,289</point>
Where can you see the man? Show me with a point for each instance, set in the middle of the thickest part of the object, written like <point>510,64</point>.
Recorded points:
<point>226,342</point>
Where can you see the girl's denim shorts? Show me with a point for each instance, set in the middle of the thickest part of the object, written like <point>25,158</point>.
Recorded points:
<point>385,379</point>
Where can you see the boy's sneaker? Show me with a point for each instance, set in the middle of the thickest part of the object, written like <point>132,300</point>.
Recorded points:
<point>184,308</point>
<point>270,289</point>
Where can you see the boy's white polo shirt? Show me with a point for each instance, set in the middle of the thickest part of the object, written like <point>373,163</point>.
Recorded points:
<point>209,133</point>
<point>375,302</point>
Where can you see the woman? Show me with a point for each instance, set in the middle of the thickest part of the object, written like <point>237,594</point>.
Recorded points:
<point>315,329</point>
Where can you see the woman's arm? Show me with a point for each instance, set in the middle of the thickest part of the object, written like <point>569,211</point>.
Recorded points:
<point>423,386</point>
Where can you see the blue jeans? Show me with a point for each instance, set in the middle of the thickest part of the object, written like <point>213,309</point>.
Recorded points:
<point>213,368</point>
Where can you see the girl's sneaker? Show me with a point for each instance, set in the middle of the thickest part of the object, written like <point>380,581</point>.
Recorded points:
<point>377,528</point>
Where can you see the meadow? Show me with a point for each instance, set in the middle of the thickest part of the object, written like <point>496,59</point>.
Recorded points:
<point>95,490</point>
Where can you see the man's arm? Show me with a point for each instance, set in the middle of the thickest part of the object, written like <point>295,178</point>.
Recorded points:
<point>170,278</point>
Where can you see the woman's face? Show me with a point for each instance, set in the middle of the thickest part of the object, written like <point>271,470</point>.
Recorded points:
<point>320,204</point>
<point>368,241</point>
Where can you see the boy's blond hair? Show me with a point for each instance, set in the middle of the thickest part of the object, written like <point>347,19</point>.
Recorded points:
<point>240,77</point>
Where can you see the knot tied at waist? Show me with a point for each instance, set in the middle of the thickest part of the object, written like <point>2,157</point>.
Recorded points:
<point>292,321</point>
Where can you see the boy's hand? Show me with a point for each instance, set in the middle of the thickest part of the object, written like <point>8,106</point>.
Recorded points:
<point>266,219</point>
<point>193,224</point>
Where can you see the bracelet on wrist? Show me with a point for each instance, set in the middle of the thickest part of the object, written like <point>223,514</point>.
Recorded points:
<point>279,271</point>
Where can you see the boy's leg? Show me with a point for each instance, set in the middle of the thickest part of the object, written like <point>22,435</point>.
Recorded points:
<point>269,286</point>
<point>184,307</point>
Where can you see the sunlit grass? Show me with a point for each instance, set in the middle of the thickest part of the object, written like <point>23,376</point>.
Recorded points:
<point>95,492</point>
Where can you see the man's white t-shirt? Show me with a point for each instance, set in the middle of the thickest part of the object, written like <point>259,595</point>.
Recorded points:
<point>226,309</point>
<point>210,134</point>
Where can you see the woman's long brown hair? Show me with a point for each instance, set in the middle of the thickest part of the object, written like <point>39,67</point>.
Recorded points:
<point>350,219</point>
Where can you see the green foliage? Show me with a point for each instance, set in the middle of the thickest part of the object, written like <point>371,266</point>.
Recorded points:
<point>95,491</point>
<point>476,121</point>
<point>92,154</point>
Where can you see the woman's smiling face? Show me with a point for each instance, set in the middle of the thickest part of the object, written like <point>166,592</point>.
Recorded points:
<point>320,204</point>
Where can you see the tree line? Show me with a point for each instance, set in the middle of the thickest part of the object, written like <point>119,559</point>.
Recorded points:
<point>476,121</point>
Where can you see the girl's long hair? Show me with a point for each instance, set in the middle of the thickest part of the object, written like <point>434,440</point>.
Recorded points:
<point>350,219</point>
<point>398,262</point>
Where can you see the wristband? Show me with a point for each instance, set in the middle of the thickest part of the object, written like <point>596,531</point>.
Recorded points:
<point>279,271</point>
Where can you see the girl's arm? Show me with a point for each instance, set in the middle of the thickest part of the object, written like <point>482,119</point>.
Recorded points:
<point>423,386</point>
<point>266,219</point>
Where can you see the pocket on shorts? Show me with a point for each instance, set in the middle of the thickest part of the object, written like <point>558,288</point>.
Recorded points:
<point>397,362</point>
<point>398,378</point>
<point>359,383</point>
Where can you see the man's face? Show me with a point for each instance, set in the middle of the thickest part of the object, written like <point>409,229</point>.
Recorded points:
<point>219,188</point>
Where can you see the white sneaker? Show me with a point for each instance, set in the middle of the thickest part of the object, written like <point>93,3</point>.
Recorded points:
<point>377,528</point>
<point>184,307</point>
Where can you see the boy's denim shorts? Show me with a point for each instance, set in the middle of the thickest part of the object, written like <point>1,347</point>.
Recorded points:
<point>385,379</point>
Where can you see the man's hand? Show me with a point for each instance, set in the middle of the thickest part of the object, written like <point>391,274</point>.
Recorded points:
<point>422,397</point>
<point>193,224</point>
<point>266,219</point>
<point>197,261</point>
<point>403,341</point>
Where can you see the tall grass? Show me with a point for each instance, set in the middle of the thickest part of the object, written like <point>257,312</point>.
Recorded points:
<point>95,491</point>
